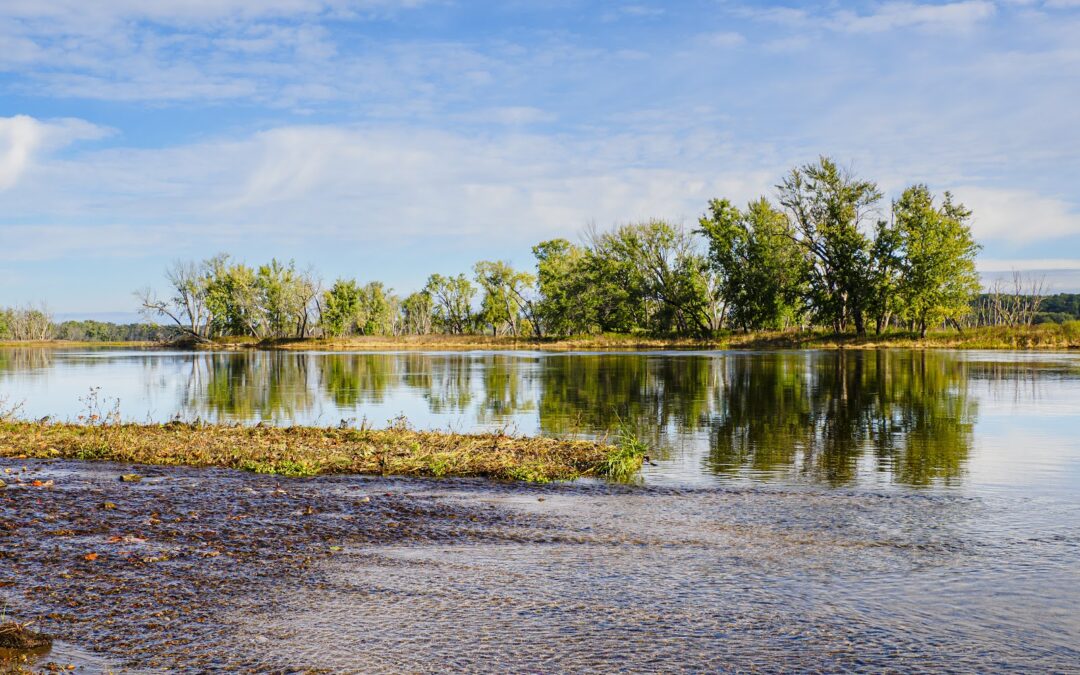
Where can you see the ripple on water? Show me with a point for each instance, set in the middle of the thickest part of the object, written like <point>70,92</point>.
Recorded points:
<point>704,580</point>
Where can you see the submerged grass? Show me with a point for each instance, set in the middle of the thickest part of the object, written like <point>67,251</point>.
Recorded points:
<point>310,451</point>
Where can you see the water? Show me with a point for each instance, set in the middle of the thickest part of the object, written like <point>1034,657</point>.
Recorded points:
<point>967,421</point>
<point>860,511</point>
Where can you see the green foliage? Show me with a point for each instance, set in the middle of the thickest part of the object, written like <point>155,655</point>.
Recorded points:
<point>451,302</point>
<point>417,313</point>
<point>504,296</point>
<point>99,331</point>
<point>938,279</point>
<point>762,273</point>
<point>827,207</point>
<point>340,308</point>
<point>625,458</point>
<point>565,306</point>
<point>1071,330</point>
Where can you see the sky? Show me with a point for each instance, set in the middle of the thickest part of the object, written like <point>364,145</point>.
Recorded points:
<point>390,139</point>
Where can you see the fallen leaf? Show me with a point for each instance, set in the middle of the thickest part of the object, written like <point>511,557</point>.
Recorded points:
<point>90,556</point>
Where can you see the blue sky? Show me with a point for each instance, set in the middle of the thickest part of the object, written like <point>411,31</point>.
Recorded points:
<point>389,139</point>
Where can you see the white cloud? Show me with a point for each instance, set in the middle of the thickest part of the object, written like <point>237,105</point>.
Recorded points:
<point>348,184</point>
<point>22,138</point>
<point>1018,216</point>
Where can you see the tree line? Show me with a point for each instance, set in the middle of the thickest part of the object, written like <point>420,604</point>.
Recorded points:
<point>823,252</point>
<point>30,323</point>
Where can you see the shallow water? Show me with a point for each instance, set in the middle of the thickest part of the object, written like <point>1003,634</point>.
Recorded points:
<point>865,511</point>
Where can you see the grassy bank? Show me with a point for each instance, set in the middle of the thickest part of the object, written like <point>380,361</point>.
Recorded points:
<point>309,451</point>
<point>1046,336</point>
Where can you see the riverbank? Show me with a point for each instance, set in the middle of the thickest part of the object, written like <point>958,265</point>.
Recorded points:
<point>311,451</point>
<point>1042,337</point>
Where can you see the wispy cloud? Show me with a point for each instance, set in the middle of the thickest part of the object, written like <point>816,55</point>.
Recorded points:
<point>951,16</point>
<point>22,138</point>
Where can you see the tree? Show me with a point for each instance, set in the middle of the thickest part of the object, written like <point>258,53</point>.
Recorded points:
<point>187,307</point>
<point>504,295</point>
<point>938,280</point>
<point>232,298</point>
<point>377,307</point>
<point>655,270</point>
<point>760,267</point>
<point>567,303</point>
<point>451,302</point>
<point>828,207</point>
<point>340,308</point>
<point>416,314</point>
<point>285,298</point>
<point>26,323</point>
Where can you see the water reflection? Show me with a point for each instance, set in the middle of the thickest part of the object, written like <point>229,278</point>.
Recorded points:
<point>834,418</point>
<point>822,414</point>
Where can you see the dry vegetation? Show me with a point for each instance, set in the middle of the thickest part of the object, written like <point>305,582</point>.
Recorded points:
<point>1045,336</point>
<point>308,451</point>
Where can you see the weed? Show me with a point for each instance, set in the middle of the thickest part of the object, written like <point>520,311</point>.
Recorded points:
<point>624,459</point>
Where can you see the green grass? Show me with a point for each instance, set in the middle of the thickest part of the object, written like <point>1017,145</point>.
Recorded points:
<point>624,459</point>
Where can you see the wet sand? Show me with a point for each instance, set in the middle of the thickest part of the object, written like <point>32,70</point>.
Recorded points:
<point>202,569</point>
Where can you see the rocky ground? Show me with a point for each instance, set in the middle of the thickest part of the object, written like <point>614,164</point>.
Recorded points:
<point>149,571</point>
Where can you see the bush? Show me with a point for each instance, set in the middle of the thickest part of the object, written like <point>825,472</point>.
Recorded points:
<point>1071,330</point>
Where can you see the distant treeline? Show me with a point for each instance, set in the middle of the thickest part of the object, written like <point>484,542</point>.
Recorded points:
<point>824,253</point>
<point>1059,308</point>
<point>36,323</point>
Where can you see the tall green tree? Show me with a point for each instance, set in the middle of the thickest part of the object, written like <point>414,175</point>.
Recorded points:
<point>503,300</point>
<point>286,296</point>
<point>416,314</point>
<point>341,308</point>
<point>654,278</point>
<point>377,308</point>
<point>828,208</point>
<point>451,302</point>
<point>938,280</point>
<point>762,273</point>
<point>568,301</point>
<point>232,297</point>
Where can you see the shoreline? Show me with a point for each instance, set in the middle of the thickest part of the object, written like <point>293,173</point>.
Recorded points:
<point>1043,337</point>
<point>312,451</point>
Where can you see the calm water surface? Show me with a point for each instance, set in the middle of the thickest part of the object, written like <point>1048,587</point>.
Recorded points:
<point>891,510</point>
<point>969,421</point>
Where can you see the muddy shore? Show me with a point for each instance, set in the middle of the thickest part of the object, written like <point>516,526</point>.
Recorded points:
<point>148,573</point>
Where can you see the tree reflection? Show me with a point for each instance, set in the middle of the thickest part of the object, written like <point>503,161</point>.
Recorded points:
<point>251,386</point>
<point>824,417</point>
<point>821,414</point>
